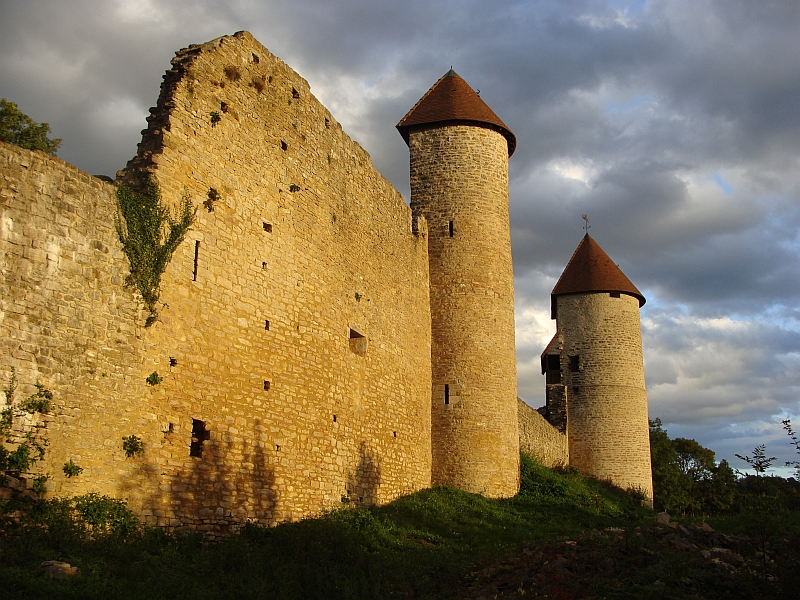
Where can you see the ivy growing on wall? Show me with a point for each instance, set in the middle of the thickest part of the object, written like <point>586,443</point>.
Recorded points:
<point>149,233</point>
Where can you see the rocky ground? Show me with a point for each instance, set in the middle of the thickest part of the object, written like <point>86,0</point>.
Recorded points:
<point>661,560</point>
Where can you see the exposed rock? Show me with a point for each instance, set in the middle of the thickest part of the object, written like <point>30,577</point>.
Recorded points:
<point>56,569</point>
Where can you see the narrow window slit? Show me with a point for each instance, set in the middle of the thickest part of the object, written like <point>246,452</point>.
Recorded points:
<point>263,265</point>
<point>266,324</point>
<point>295,94</point>
<point>334,418</point>
<point>451,228</point>
<point>447,393</point>
<point>284,146</point>
<point>267,385</point>
<point>196,256</point>
<point>268,227</point>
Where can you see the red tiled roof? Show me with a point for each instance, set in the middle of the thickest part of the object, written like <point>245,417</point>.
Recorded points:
<point>451,100</point>
<point>591,270</point>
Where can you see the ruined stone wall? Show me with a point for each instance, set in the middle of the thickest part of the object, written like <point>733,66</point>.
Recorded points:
<point>607,408</point>
<point>459,182</point>
<point>301,248</point>
<point>540,439</point>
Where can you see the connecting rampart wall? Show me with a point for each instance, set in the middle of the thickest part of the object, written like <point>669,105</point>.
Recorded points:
<point>293,335</point>
<point>540,439</point>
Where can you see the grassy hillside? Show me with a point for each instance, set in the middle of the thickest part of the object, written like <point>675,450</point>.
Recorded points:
<point>555,538</point>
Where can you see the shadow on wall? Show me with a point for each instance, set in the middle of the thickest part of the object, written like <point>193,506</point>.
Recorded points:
<point>225,485</point>
<point>363,483</point>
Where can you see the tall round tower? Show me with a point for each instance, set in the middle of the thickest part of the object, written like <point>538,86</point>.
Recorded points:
<point>459,182</point>
<point>596,308</point>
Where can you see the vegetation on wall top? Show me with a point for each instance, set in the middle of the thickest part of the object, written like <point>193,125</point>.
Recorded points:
<point>19,129</point>
<point>150,234</point>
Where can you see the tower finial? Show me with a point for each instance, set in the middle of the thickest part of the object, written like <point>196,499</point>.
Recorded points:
<point>586,225</point>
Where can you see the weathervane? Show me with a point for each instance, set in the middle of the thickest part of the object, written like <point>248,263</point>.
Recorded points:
<point>586,225</point>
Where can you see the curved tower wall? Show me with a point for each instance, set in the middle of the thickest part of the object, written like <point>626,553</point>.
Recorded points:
<point>459,176</point>
<point>607,408</point>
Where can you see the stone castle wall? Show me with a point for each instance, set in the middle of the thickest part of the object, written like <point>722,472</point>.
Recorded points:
<point>540,439</point>
<point>607,422</point>
<point>294,335</point>
<point>459,182</point>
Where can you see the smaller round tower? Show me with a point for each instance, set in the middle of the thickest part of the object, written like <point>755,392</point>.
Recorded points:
<point>600,375</point>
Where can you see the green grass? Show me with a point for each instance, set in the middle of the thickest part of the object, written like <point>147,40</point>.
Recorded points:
<point>422,545</point>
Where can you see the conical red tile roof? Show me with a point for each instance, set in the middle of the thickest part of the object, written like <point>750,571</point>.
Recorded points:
<point>451,100</point>
<point>591,270</point>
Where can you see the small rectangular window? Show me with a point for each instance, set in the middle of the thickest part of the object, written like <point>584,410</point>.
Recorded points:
<point>450,227</point>
<point>446,393</point>
<point>574,364</point>
<point>199,435</point>
<point>267,385</point>
<point>266,324</point>
<point>614,294</point>
<point>358,342</point>
<point>553,368</point>
<point>268,227</point>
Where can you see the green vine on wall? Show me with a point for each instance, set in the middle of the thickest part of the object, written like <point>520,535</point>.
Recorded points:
<point>150,234</point>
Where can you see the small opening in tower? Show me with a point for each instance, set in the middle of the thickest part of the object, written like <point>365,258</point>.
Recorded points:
<point>267,227</point>
<point>553,368</point>
<point>266,324</point>
<point>256,59</point>
<point>267,385</point>
<point>173,361</point>
<point>295,94</point>
<point>394,433</point>
<point>450,228</point>
<point>277,448</point>
<point>284,146</point>
<point>223,106</point>
<point>263,265</point>
<point>574,363</point>
<point>614,294</point>
<point>334,418</point>
<point>196,256</point>
<point>327,124</point>
<point>199,435</point>
<point>447,393</point>
<point>358,342</point>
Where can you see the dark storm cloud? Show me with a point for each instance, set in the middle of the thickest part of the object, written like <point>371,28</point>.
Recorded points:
<point>672,123</point>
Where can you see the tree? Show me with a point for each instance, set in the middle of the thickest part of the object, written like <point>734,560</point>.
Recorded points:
<point>686,478</point>
<point>669,485</point>
<point>19,129</point>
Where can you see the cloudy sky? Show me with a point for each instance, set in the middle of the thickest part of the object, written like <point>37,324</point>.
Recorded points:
<point>675,124</point>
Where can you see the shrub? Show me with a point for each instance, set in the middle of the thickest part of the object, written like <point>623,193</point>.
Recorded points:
<point>71,469</point>
<point>132,445</point>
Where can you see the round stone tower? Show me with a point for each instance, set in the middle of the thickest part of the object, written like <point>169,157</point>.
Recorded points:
<point>459,182</point>
<point>599,349</point>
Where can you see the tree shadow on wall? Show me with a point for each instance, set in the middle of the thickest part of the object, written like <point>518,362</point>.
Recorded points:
<point>224,485</point>
<point>364,482</point>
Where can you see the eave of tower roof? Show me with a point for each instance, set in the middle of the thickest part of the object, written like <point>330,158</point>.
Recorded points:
<point>591,270</point>
<point>451,100</point>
